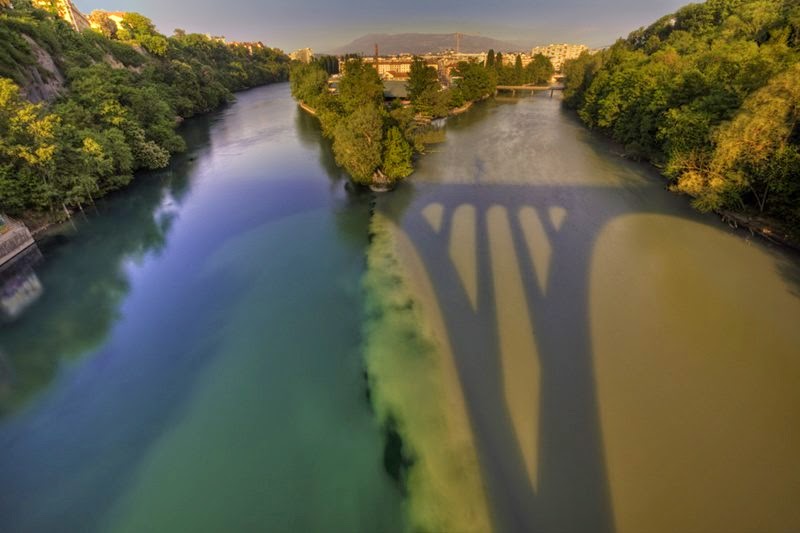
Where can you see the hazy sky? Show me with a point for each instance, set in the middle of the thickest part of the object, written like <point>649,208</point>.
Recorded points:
<point>326,24</point>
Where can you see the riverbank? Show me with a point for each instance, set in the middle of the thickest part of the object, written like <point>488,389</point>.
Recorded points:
<point>765,228</point>
<point>758,225</point>
<point>307,108</point>
<point>39,223</point>
<point>459,110</point>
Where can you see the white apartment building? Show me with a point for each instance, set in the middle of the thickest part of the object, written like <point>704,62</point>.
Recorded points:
<point>558,54</point>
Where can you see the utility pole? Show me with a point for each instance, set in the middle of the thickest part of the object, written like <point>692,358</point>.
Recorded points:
<point>458,43</point>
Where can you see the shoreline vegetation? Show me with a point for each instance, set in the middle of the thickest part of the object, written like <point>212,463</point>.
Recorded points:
<point>710,95</point>
<point>109,102</point>
<point>376,139</point>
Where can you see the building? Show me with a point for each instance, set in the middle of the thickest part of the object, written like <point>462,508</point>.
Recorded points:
<point>394,67</point>
<point>249,46</point>
<point>510,59</point>
<point>558,54</point>
<point>100,19</point>
<point>305,55</point>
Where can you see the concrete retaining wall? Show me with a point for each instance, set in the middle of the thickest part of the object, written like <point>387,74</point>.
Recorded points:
<point>14,240</point>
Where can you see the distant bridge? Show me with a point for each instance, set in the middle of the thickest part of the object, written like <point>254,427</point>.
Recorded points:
<point>530,88</point>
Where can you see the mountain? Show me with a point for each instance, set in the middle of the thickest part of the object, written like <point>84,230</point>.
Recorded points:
<point>420,43</point>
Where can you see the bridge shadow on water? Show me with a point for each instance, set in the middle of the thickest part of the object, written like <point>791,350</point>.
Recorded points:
<point>558,481</point>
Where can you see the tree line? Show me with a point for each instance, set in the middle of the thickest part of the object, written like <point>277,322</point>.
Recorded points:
<point>375,141</point>
<point>538,71</point>
<point>710,94</point>
<point>124,93</point>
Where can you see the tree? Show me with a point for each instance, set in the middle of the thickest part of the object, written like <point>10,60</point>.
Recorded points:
<point>424,90</point>
<point>140,29</point>
<point>518,72</point>
<point>422,80</point>
<point>308,82</point>
<point>396,155</point>
<point>109,121</point>
<point>28,146</point>
<point>490,59</point>
<point>539,70</point>
<point>357,143</point>
<point>155,44</point>
<point>360,86</point>
<point>756,153</point>
<point>709,93</point>
<point>102,23</point>
<point>473,81</point>
<point>137,25</point>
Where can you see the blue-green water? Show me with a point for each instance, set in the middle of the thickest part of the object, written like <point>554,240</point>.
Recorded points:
<point>562,344</point>
<point>193,363</point>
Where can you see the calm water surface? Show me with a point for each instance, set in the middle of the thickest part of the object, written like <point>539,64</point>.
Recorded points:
<point>193,362</point>
<point>195,359</point>
<point>628,364</point>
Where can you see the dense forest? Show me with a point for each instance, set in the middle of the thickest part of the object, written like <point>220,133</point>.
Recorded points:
<point>120,93</point>
<point>710,94</point>
<point>375,141</point>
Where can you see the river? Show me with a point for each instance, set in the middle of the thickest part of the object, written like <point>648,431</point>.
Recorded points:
<point>552,342</point>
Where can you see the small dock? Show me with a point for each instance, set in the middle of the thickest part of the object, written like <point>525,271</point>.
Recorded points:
<point>14,239</point>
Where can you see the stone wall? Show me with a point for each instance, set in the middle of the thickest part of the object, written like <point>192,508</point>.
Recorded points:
<point>12,241</point>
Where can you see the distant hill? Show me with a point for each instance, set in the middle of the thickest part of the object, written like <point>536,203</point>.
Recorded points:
<point>420,43</point>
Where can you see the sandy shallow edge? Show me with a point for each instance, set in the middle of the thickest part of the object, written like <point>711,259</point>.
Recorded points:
<point>414,380</point>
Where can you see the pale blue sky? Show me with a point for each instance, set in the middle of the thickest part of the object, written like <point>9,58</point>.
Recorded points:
<point>326,24</point>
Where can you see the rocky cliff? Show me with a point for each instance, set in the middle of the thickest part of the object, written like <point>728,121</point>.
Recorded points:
<point>67,11</point>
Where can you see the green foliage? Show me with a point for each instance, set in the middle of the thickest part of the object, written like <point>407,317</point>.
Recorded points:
<point>710,94</point>
<point>360,86</point>
<point>396,155</point>
<point>357,143</point>
<point>330,64</point>
<point>539,70</point>
<point>28,147</point>
<point>373,141</point>
<point>421,80</point>
<point>103,23</point>
<point>425,91</point>
<point>308,82</point>
<point>474,82</point>
<point>118,110</point>
<point>756,154</point>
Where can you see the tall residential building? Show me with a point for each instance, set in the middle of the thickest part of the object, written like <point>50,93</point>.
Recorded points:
<point>393,68</point>
<point>558,54</point>
<point>304,54</point>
